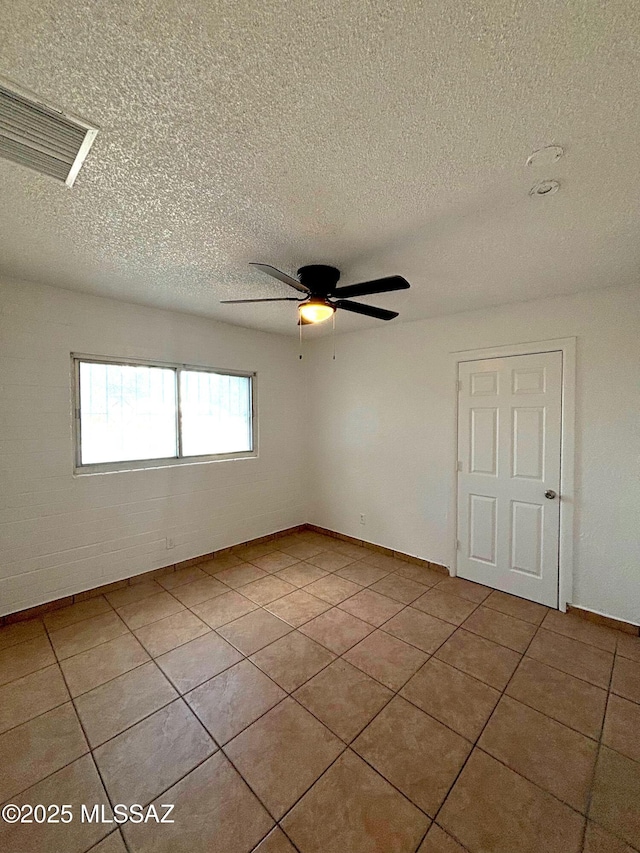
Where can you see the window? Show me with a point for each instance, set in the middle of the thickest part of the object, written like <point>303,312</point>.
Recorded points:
<point>132,414</point>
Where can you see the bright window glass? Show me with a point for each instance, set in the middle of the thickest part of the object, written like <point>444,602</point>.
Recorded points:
<point>126,412</point>
<point>215,413</point>
<point>133,413</point>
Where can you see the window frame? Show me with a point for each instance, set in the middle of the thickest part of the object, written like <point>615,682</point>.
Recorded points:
<point>160,462</point>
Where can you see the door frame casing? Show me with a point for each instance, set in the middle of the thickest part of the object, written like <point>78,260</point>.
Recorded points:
<point>567,346</point>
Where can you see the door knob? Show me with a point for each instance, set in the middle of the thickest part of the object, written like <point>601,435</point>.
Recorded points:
<point>550,494</point>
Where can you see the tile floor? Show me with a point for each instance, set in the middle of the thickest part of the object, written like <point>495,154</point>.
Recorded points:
<point>311,695</point>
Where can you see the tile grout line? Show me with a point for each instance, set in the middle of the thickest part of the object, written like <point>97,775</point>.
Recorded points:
<point>599,750</point>
<point>347,745</point>
<point>90,752</point>
<point>475,743</point>
<point>341,656</point>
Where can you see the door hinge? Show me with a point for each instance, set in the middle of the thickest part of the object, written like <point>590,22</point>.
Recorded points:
<point>457,544</point>
<point>458,466</point>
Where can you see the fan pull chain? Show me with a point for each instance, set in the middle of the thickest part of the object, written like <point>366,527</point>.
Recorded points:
<point>300,327</point>
<point>333,335</point>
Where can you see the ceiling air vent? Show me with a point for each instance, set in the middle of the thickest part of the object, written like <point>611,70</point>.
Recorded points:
<point>41,136</point>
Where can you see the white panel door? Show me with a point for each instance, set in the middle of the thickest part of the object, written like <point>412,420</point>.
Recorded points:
<point>509,428</point>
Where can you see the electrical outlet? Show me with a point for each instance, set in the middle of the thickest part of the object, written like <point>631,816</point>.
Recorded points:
<point>171,543</point>
<point>363,518</point>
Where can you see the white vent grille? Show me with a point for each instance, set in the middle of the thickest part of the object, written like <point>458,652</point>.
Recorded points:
<point>40,136</point>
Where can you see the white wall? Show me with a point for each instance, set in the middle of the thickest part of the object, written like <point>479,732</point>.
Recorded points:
<point>61,534</point>
<point>382,418</point>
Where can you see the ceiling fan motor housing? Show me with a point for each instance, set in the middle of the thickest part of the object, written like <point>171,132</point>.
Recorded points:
<point>320,279</point>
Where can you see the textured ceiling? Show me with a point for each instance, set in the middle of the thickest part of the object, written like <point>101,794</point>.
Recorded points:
<point>384,138</point>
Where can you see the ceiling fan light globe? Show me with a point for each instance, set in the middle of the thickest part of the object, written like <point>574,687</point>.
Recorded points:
<point>316,311</point>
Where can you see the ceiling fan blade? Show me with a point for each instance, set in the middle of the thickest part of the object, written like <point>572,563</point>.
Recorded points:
<point>378,285</point>
<point>281,276</point>
<point>367,310</point>
<point>275,299</point>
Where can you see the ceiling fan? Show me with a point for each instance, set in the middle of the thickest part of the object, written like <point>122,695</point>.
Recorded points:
<point>320,297</point>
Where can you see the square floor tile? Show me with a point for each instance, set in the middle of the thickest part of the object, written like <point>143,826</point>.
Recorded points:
<point>557,694</point>
<point>414,752</point>
<point>302,574</point>
<point>616,794</point>
<point>502,629</point>
<point>629,647</point>
<point>387,659</point>
<point>111,844</point>
<point>252,552</point>
<point>421,574</point>
<point>362,573</point>
<point>571,625</point>
<point>196,661</point>
<point>330,561</point>
<point>520,608</point>
<point>171,632</point>
<point>135,592</point>
<point>267,589</point>
<point>181,577</point>
<point>200,590</point>
<point>76,612</point>
<point>153,574</point>
<point>275,842</point>
<point>333,589</point>
<point>438,841</point>
<point>282,754</point>
<point>215,812</point>
<point>352,809</point>
<point>622,727</point>
<point>556,758</point>
<point>109,709</point>
<point>481,658</point>
<point>254,631</point>
<point>598,840</point>
<point>399,588</point>
<point>292,660</point>
<point>238,576</point>
<point>143,761</point>
<point>19,632</point>
<point>450,608</point>
<point>491,808</point>
<point>576,658</point>
<point>298,607</point>
<point>31,695</point>
<point>383,561</point>
<point>371,607</point>
<point>24,658</point>
<point>151,609</point>
<point>459,701</point>
<point>419,629</point>
<point>465,589</point>
<point>336,630</point>
<point>224,609</point>
<point>219,563</point>
<point>626,679</point>
<point>30,752</point>
<point>233,700</point>
<point>76,784</point>
<point>275,561</point>
<point>300,549</point>
<point>89,669</point>
<point>344,698</point>
<point>349,549</point>
<point>327,542</point>
<point>85,635</point>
